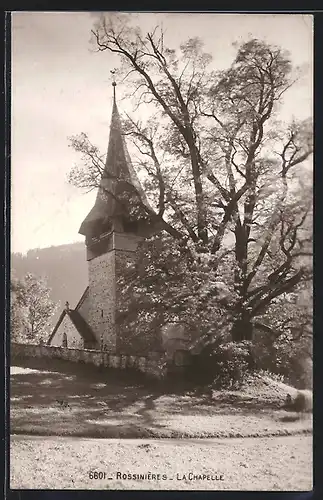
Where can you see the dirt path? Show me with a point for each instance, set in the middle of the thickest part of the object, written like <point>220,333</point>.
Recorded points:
<point>276,463</point>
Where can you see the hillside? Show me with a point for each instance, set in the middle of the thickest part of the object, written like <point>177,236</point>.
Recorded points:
<point>64,267</point>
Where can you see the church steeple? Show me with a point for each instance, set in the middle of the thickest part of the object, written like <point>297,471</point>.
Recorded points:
<point>120,196</point>
<point>118,222</point>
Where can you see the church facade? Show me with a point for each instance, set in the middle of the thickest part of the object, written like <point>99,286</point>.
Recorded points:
<point>113,229</point>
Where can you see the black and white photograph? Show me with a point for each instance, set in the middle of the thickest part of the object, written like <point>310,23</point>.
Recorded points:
<point>161,272</point>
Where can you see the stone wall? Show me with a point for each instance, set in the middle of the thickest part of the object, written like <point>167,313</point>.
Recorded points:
<point>153,364</point>
<point>102,299</point>
<point>101,307</point>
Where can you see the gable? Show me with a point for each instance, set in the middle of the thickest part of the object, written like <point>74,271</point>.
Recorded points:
<point>66,326</point>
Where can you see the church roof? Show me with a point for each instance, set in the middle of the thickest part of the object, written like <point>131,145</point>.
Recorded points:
<point>81,326</point>
<point>120,190</point>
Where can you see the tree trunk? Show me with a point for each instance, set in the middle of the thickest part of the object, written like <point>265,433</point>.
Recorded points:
<point>242,328</point>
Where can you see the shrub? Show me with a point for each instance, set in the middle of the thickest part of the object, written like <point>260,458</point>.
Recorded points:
<point>277,377</point>
<point>301,402</point>
<point>225,365</point>
<point>284,356</point>
<point>232,361</point>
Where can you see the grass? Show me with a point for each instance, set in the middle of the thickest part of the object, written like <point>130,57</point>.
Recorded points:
<point>55,397</point>
<point>276,463</point>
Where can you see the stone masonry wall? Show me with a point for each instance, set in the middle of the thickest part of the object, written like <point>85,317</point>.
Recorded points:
<point>101,306</point>
<point>102,299</point>
<point>153,364</point>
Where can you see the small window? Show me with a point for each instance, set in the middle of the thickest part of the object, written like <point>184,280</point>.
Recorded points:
<point>64,340</point>
<point>101,313</point>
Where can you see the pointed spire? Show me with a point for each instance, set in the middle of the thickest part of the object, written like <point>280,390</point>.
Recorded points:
<point>116,181</point>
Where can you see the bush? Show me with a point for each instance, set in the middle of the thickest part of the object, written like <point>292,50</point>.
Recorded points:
<point>302,402</point>
<point>224,365</point>
<point>277,377</point>
<point>288,358</point>
<point>232,361</point>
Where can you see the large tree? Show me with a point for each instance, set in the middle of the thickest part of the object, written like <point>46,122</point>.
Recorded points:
<point>227,181</point>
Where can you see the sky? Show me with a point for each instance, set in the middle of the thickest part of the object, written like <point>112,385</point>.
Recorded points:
<point>61,87</point>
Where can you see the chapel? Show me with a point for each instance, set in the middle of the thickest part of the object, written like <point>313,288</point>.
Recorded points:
<point>113,229</point>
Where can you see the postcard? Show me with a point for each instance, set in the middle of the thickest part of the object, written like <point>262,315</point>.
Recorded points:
<point>161,251</point>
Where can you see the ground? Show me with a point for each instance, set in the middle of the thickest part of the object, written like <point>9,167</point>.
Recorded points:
<point>59,410</point>
<point>276,463</point>
<point>55,397</point>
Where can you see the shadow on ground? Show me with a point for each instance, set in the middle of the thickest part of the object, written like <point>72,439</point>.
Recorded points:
<point>55,397</point>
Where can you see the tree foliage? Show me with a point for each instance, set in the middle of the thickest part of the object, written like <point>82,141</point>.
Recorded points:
<point>164,285</point>
<point>228,183</point>
<point>31,309</point>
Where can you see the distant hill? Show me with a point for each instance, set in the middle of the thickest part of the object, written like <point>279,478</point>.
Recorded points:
<point>64,267</point>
